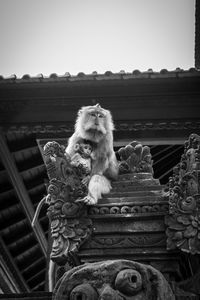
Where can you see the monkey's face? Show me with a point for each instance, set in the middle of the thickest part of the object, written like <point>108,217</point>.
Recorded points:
<point>87,149</point>
<point>94,121</point>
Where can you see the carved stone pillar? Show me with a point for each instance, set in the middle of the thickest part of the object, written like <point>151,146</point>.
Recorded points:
<point>70,225</point>
<point>184,201</point>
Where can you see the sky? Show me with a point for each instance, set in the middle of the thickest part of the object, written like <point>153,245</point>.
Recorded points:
<point>59,36</point>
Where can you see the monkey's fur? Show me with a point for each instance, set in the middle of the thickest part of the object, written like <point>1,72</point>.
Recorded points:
<point>94,124</point>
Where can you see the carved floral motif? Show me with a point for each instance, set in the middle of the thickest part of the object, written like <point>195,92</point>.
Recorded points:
<point>184,200</point>
<point>135,159</point>
<point>70,226</point>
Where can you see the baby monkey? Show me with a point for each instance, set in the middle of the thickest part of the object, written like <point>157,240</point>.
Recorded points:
<point>83,158</point>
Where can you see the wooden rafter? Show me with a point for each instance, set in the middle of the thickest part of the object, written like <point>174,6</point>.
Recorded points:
<point>11,280</point>
<point>21,191</point>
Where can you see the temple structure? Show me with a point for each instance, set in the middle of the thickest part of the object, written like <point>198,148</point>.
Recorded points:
<point>147,225</point>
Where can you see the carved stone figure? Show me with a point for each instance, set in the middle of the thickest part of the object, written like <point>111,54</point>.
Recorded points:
<point>113,279</point>
<point>70,226</point>
<point>183,222</point>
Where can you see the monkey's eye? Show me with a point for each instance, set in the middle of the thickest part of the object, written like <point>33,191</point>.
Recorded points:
<point>100,116</point>
<point>93,114</point>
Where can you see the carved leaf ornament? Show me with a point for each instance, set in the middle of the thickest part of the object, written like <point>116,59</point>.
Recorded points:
<point>70,226</point>
<point>135,158</point>
<point>183,222</point>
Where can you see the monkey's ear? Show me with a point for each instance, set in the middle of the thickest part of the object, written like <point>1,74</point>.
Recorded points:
<point>76,147</point>
<point>82,110</point>
<point>97,105</point>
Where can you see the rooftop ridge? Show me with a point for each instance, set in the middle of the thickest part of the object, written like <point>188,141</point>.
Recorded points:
<point>108,75</point>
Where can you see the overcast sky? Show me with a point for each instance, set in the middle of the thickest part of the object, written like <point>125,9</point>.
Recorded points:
<point>58,36</point>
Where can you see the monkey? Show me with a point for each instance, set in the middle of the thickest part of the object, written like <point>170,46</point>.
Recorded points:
<point>94,124</point>
<point>83,157</point>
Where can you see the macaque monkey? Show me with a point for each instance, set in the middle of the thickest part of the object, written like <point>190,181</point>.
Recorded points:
<point>95,126</point>
<point>83,157</point>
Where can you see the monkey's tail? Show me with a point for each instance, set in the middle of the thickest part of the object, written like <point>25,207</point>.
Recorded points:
<point>98,186</point>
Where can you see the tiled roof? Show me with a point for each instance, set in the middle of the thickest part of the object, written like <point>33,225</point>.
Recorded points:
<point>108,75</point>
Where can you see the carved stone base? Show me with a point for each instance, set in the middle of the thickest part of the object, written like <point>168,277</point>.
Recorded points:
<point>129,223</point>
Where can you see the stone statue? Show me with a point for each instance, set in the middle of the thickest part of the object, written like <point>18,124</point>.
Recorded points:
<point>115,280</point>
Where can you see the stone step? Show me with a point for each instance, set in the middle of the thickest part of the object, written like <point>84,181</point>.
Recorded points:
<point>121,186</point>
<point>132,176</point>
<point>131,199</point>
<point>136,182</point>
<point>125,193</point>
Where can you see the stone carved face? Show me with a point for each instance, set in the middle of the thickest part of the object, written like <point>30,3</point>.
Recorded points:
<point>113,280</point>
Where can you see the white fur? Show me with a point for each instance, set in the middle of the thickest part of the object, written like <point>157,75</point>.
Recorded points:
<point>98,186</point>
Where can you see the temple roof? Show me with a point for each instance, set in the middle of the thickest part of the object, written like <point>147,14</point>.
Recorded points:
<point>108,75</point>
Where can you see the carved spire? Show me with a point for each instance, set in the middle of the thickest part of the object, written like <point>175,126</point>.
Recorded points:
<point>183,222</point>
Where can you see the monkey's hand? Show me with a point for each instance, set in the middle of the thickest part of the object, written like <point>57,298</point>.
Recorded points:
<point>86,180</point>
<point>89,200</point>
<point>75,160</point>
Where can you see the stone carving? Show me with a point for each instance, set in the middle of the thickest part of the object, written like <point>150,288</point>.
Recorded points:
<point>135,241</point>
<point>70,225</point>
<point>113,279</point>
<point>135,159</point>
<point>183,222</point>
<point>130,208</point>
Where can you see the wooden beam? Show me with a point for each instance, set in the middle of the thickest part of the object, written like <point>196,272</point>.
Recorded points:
<point>21,191</point>
<point>11,280</point>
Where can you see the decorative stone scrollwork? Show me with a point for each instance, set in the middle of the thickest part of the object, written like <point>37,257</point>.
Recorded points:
<point>135,159</point>
<point>70,225</point>
<point>183,222</point>
<point>113,279</point>
<point>129,209</point>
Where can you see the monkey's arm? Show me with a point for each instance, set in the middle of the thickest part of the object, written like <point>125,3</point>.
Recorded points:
<point>105,160</point>
<point>76,159</point>
<point>113,168</point>
<point>100,164</point>
<point>71,142</point>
